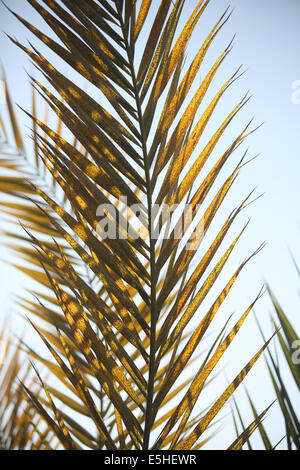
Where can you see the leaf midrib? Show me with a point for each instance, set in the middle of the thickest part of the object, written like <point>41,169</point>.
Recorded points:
<point>149,419</point>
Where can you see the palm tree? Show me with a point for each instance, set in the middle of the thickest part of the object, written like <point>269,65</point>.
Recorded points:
<point>122,316</point>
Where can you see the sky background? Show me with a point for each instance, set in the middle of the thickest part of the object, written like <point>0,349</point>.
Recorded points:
<point>267,43</point>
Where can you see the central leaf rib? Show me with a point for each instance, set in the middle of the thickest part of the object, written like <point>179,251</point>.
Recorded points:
<point>149,418</point>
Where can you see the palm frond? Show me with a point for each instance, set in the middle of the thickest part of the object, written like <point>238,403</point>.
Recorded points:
<point>288,344</point>
<point>118,310</point>
<point>20,423</point>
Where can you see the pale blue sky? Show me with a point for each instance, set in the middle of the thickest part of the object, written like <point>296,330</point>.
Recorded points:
<point>267,43</point>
